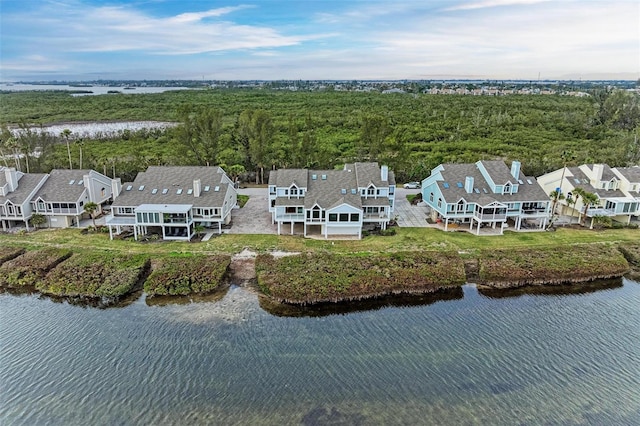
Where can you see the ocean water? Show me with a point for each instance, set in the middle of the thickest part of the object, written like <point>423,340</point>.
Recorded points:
<point>568,356</point>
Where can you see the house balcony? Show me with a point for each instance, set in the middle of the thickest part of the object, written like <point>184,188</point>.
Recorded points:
<point>178,221</point>
<point>596,211</point>
<point>61,211</point>
<point>291,217</point>
<point>534,212</point>
<point>375,217</point>
<point>315,220</point>
<point>490,217</point>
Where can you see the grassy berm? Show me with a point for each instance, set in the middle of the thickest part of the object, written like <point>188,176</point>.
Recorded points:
<point>183,275</point>
<point>325,277</point>
<point>95,274</point>
<point>557,265</point>
<point>28,268</point>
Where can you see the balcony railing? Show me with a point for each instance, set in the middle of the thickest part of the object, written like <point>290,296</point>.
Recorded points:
<point>491,217</point>
<point>294,217</point>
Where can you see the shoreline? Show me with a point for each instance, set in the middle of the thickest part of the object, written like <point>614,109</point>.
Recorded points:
<point>315,279</point>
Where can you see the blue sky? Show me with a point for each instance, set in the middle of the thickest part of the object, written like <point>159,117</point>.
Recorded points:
<point>319,39</point>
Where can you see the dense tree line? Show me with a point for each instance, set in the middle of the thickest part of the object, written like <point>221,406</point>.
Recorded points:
<point>257,130</point>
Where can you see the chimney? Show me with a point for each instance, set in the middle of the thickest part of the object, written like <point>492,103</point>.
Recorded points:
<point>196,187</point>
<point>116,187</point>
<point>515,169</point>
<point>468,184</point>
<point>11,175</point>
<point>384,173</point>
<point>597,171</point>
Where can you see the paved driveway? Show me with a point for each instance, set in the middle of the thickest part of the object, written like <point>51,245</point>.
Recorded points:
<point>254,217</point>
<point>408,215</point>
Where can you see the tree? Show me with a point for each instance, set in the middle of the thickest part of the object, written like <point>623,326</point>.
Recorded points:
<point>588,198</point>
<point>262,132</point>
<point>66,134</point>
<point>90,208</point>
<point>555,195</point>
<point>37,220</point>
<point>373,132</point>
<point>235,171</point>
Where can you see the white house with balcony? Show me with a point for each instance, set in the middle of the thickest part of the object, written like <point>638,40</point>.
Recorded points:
<point>172,201</point>
<point>629,182</point>
<point>485,193</point>
<point>62,197</point>
<point>16,191</point>
<point>332,202</point>
<point>599,179</point>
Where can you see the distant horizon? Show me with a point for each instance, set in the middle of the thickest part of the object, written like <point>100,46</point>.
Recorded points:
<point>338,80</point>
<point>216,40</point>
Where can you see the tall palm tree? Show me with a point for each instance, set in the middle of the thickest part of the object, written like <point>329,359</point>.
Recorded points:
<point>588,198</point>
<point>66,134</point>
<point>556,195</point>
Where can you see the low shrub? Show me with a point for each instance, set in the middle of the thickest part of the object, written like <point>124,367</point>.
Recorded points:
<point>26,269</point>
<point>8,253</point>
<point>556,265</point>
<point>195,275</point>
<point>324,277</point>
<point>95,274</point>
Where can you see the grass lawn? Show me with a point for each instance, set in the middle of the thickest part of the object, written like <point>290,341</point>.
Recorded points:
<point>406,239</point>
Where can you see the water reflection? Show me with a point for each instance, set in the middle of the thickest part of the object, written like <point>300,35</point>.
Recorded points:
<point>551,290</point>
<point>185,300</point>
<point>325,309</point>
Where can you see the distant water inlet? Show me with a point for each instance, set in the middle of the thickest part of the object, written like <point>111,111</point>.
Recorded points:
<point>571,357</point>
<point>95,130</point>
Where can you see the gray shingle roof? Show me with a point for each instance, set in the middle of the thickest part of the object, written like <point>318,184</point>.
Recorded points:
<point>58,187</point>
<point>337,188</point>
<point>585,184</point>
<point>632,174</point>
<point>26,184</point>
<point>284,177</point>
<point>454,176</point>
<point>175,185</point>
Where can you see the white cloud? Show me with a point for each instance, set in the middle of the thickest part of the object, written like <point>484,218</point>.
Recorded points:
<point>493,3</point>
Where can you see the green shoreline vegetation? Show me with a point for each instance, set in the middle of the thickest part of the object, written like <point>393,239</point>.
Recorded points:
<point>414,261</point>
<point>323,277</point>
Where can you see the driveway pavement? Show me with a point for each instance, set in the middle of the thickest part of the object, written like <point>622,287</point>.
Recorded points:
<point>408,215</point>
<point>254,217</point>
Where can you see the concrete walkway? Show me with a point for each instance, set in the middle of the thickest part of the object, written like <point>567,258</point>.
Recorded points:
<point>408,215</point>
<point>254,217</point>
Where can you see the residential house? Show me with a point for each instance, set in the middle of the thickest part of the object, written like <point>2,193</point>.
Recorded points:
<point>485,193</point>
<point>16,191</point>
<point>598,179</point>
<point>629,178</point>
<point>172,201</point>
<point>62,197</point>
<point>333,202</point>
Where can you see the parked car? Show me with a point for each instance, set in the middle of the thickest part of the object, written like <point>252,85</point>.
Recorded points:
<point>412,185</point>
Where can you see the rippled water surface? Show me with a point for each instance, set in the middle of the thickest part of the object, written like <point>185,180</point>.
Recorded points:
<point>475,358</point>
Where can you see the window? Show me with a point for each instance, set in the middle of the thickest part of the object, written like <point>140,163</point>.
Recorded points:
<point>507,189</point>
<point>314,177</point>
<point>179,191</point>
<point>189,191</point>
<point>164,191</point>
<point>141,188</point>
<point>216,189</point>
<point>207,188</point>
<point>355,217</point>
<point>103,192</point>
<point>324,177</point>
<point>128,188</point>
<point>294,190</point>
<point>439,202</point>
<point>431,197</point>
<point>290,210</point>
<point>72,181</point>
<point>154,191</point>
<point>344,217</point>
<point>333,217</point>
<point>371,190</point>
